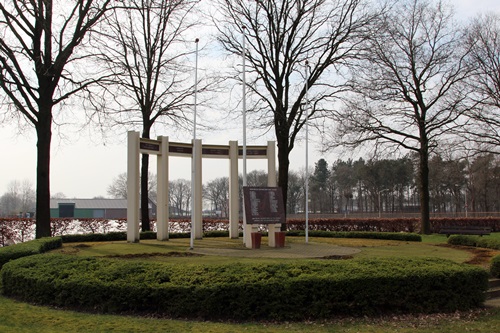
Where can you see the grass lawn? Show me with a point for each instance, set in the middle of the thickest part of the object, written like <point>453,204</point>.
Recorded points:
<point>20,317</point>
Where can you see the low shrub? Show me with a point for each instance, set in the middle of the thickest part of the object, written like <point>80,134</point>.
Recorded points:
<point>28,249</point>
<point>356,224</point>
<point>401,236</point>
<point>474,241</point>
<point>108,237</point>
<point>117,236</point>
<point>216,233</point>
<point>247,291</point>
<point>462,240</point>
<point>495,266</point>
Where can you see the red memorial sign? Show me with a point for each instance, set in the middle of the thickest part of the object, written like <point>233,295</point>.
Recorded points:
<point>263,205</point>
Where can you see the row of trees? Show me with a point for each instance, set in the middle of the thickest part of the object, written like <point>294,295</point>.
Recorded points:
<point>396,74</point>
<point>360,186</point>
<point>391,185</point>
<point>456,186</point>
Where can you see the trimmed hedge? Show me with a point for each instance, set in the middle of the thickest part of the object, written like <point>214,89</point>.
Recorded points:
<point>247,291</point>
<point>120,236</point>
<point>474,241</point>
<point>108,237</point>
<point>36,246</point>
<point>400,236</point>
<point>495,266</point>
<point>389,224</point>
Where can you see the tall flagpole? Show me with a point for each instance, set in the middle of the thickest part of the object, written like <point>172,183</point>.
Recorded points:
<point>244,105</point>
<point>193,160</point>
<point>244,113</point>
<point>307,151</point>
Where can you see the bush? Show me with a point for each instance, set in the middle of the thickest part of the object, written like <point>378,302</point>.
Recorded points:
<point>474,241</point>
<point>356,224</point>
<point>28,249</point>
<point>463,240</point>
<point>247,291</point>
<point>400,236</point>
<point>495,266</point>
<point>109,237</point>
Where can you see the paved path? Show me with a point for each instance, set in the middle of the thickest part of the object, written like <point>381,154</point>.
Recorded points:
<point>292,250</point>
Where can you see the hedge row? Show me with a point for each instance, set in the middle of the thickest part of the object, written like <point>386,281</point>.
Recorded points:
<point>388,224</point>
<point>474,241</point>
<point>355,224</point>
<point>246,291</point>
<point>30,248</point>
<point>408,237</point>
<point>120,236</point>
<point>495,266</point>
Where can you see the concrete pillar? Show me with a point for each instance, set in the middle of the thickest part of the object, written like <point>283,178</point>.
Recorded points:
<point>162,218</point>
<point>234,206</point>
<point>133,234</point>
<point>248,229</point>
<point>271,182</point>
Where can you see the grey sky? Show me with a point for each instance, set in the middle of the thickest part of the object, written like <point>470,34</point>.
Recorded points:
<point>84,169</point>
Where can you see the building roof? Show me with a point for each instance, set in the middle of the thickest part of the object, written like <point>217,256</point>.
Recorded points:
<point>91,203</point>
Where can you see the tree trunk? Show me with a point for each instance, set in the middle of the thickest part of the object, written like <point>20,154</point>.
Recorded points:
<point>283,168</point>
<point>425,224</point>
<point>44,136</point>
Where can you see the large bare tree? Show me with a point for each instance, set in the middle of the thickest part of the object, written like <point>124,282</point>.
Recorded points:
<point>39,40</point>
<point>217,193</point>
<point>292,47</point>
<point>147,52</point>
<point>484,127</point>
<point>409,92</point>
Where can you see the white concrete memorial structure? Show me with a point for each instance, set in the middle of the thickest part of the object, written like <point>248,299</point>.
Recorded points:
<point>163,149</point>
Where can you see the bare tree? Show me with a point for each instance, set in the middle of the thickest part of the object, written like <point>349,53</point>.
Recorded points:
<point>38,57</point>
<point>148,53</point>
<point>408,93</point>
<point>180,196</point>
<point>484,128</point>
<point>296,192</point>
<point>118,188</point>
<point>27,195</point>
<point>11,201</point>
<point>257,178</point>
<point>217,192</point>
<point>292,47</point>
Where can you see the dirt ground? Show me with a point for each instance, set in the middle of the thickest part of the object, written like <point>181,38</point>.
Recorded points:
<point>481,257</point>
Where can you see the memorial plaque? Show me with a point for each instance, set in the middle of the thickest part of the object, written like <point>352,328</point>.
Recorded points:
<point>263,205</point>
<point>254,151</point>
<point>149,146</point>
<point>180,149</point>
<point>215,151</point>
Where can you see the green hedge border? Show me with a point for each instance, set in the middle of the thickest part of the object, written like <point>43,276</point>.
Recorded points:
<point>495,266</point>
<point>476,241</point>
<point>45,244</point>
<point>116,236</point>
<point>245,291</point>
<point>30,248</point>
<point>289,291</point>
<point>399,236</point>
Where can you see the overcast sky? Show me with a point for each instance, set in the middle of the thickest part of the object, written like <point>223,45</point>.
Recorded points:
<point>81,168</point>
